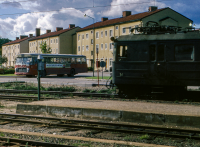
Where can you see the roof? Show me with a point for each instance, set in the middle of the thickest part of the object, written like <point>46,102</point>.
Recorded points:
<point>51,34</point>
<point>143,37</point>
<point>129,18</point>
<point>17,41</point>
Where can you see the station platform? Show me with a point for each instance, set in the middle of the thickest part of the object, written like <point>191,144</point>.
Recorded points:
<point>116,110</point>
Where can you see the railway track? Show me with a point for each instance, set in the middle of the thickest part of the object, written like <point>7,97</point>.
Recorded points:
<point>60,93</point>
<point>100,126</point>
<point>4,141</point>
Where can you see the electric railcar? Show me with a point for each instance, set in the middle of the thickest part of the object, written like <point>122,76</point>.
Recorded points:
<point>157,61</point>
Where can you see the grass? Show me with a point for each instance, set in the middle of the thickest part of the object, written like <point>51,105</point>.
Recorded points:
<point>146,136</point>
<point>100,77</point>
<point>8,75</point>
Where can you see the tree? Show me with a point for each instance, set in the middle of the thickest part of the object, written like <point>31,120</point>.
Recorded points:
<point>44,48</point>
<point>3,59</point>
<point>3,41</point>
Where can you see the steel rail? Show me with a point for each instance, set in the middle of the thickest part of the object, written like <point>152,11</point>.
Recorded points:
<point>59,92</point>
<point>107,126</point>
<point>8,140</point>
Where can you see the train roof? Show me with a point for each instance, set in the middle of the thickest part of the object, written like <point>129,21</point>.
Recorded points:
<point>145,37</point>
<point>50,55</point>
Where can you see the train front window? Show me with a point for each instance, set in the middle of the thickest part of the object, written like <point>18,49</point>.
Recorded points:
<point>122,53</point>
<point>184,52</point>
<point>152,52</point>
<point>161,52</point>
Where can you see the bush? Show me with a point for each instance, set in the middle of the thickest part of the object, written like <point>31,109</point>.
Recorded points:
<point>9,71</point>
<point>90,69</point>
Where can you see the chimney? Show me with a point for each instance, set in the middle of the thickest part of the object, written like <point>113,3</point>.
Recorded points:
<point>104,18</point>
<point>23,36</point>
<point>126,13</point>
<point>37,32</point>
<point>152,8</point>
<point>17,38</point>
<point>71,26</point>
<point>58,29</point>
<point>30,35</point>
<point>48,31</point>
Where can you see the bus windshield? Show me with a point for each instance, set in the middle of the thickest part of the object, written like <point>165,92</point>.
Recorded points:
<point>24,60</point>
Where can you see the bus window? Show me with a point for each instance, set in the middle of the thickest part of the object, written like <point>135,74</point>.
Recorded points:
<point>65,60</point>
<point>78,60</point>
<point>73,60</point>
<point>83,60</point>
<point>47,60</point>
<point>62,60</point>
<point>69,60</point>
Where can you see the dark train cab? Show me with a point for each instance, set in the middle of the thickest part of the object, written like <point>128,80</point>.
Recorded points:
<point>143,61</point>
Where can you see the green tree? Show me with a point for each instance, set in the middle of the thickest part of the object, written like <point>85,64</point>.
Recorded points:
<point>3,59</point>
<point>3,41</point>
<point>44,48</point>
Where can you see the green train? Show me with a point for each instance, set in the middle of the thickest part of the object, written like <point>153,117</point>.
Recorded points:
<point>162,59</point>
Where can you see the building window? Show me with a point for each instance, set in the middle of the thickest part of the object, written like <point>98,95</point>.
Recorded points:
<point>111,46</point>
<point>97,47</point>
<point>91,32</point>
<point>87,47</point>
<point>101,33</point>
<point>56,51</point>
<point>129,30</point>
<point>51,40</point>
<point>97,34</point>
<point>106,46</point>
<point>136,26</point>
<point>83,48</point>
<point>110,61</point>
<point>116,27</point>
<point>102,46</point>
<point>82,36</point>
<point>79,48</point>
<point>124,30</point>
<point>56,40</point>
<point>105,33</point>
<point>78,36</point>
<point>111,33</point>
<point>86,36</point>
<point>91,41</point>
<point>30,44</point>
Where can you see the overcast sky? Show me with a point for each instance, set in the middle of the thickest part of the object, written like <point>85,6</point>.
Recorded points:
<point>21,17</point>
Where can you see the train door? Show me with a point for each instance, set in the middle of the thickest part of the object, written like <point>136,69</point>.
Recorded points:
<point>157,59</point>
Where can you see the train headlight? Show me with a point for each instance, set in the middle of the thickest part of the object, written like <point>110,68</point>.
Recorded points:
<point>27,69</point>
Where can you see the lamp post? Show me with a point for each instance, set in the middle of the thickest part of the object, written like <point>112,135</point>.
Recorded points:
<point>40,67</point>
<point>93,40</point>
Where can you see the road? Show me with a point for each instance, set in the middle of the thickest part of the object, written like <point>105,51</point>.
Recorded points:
<point>78,79</point>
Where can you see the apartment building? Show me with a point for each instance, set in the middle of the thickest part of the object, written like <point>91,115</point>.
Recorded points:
<point>105,29</point>
<point>62,41</point>
<point>13,48</point>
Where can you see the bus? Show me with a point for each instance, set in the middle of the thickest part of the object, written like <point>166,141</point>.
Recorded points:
<point>60,64</point>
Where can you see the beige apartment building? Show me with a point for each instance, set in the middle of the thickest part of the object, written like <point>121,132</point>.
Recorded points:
<point>105,29</point>
<point>62,41</point>
<point>13,48</point>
